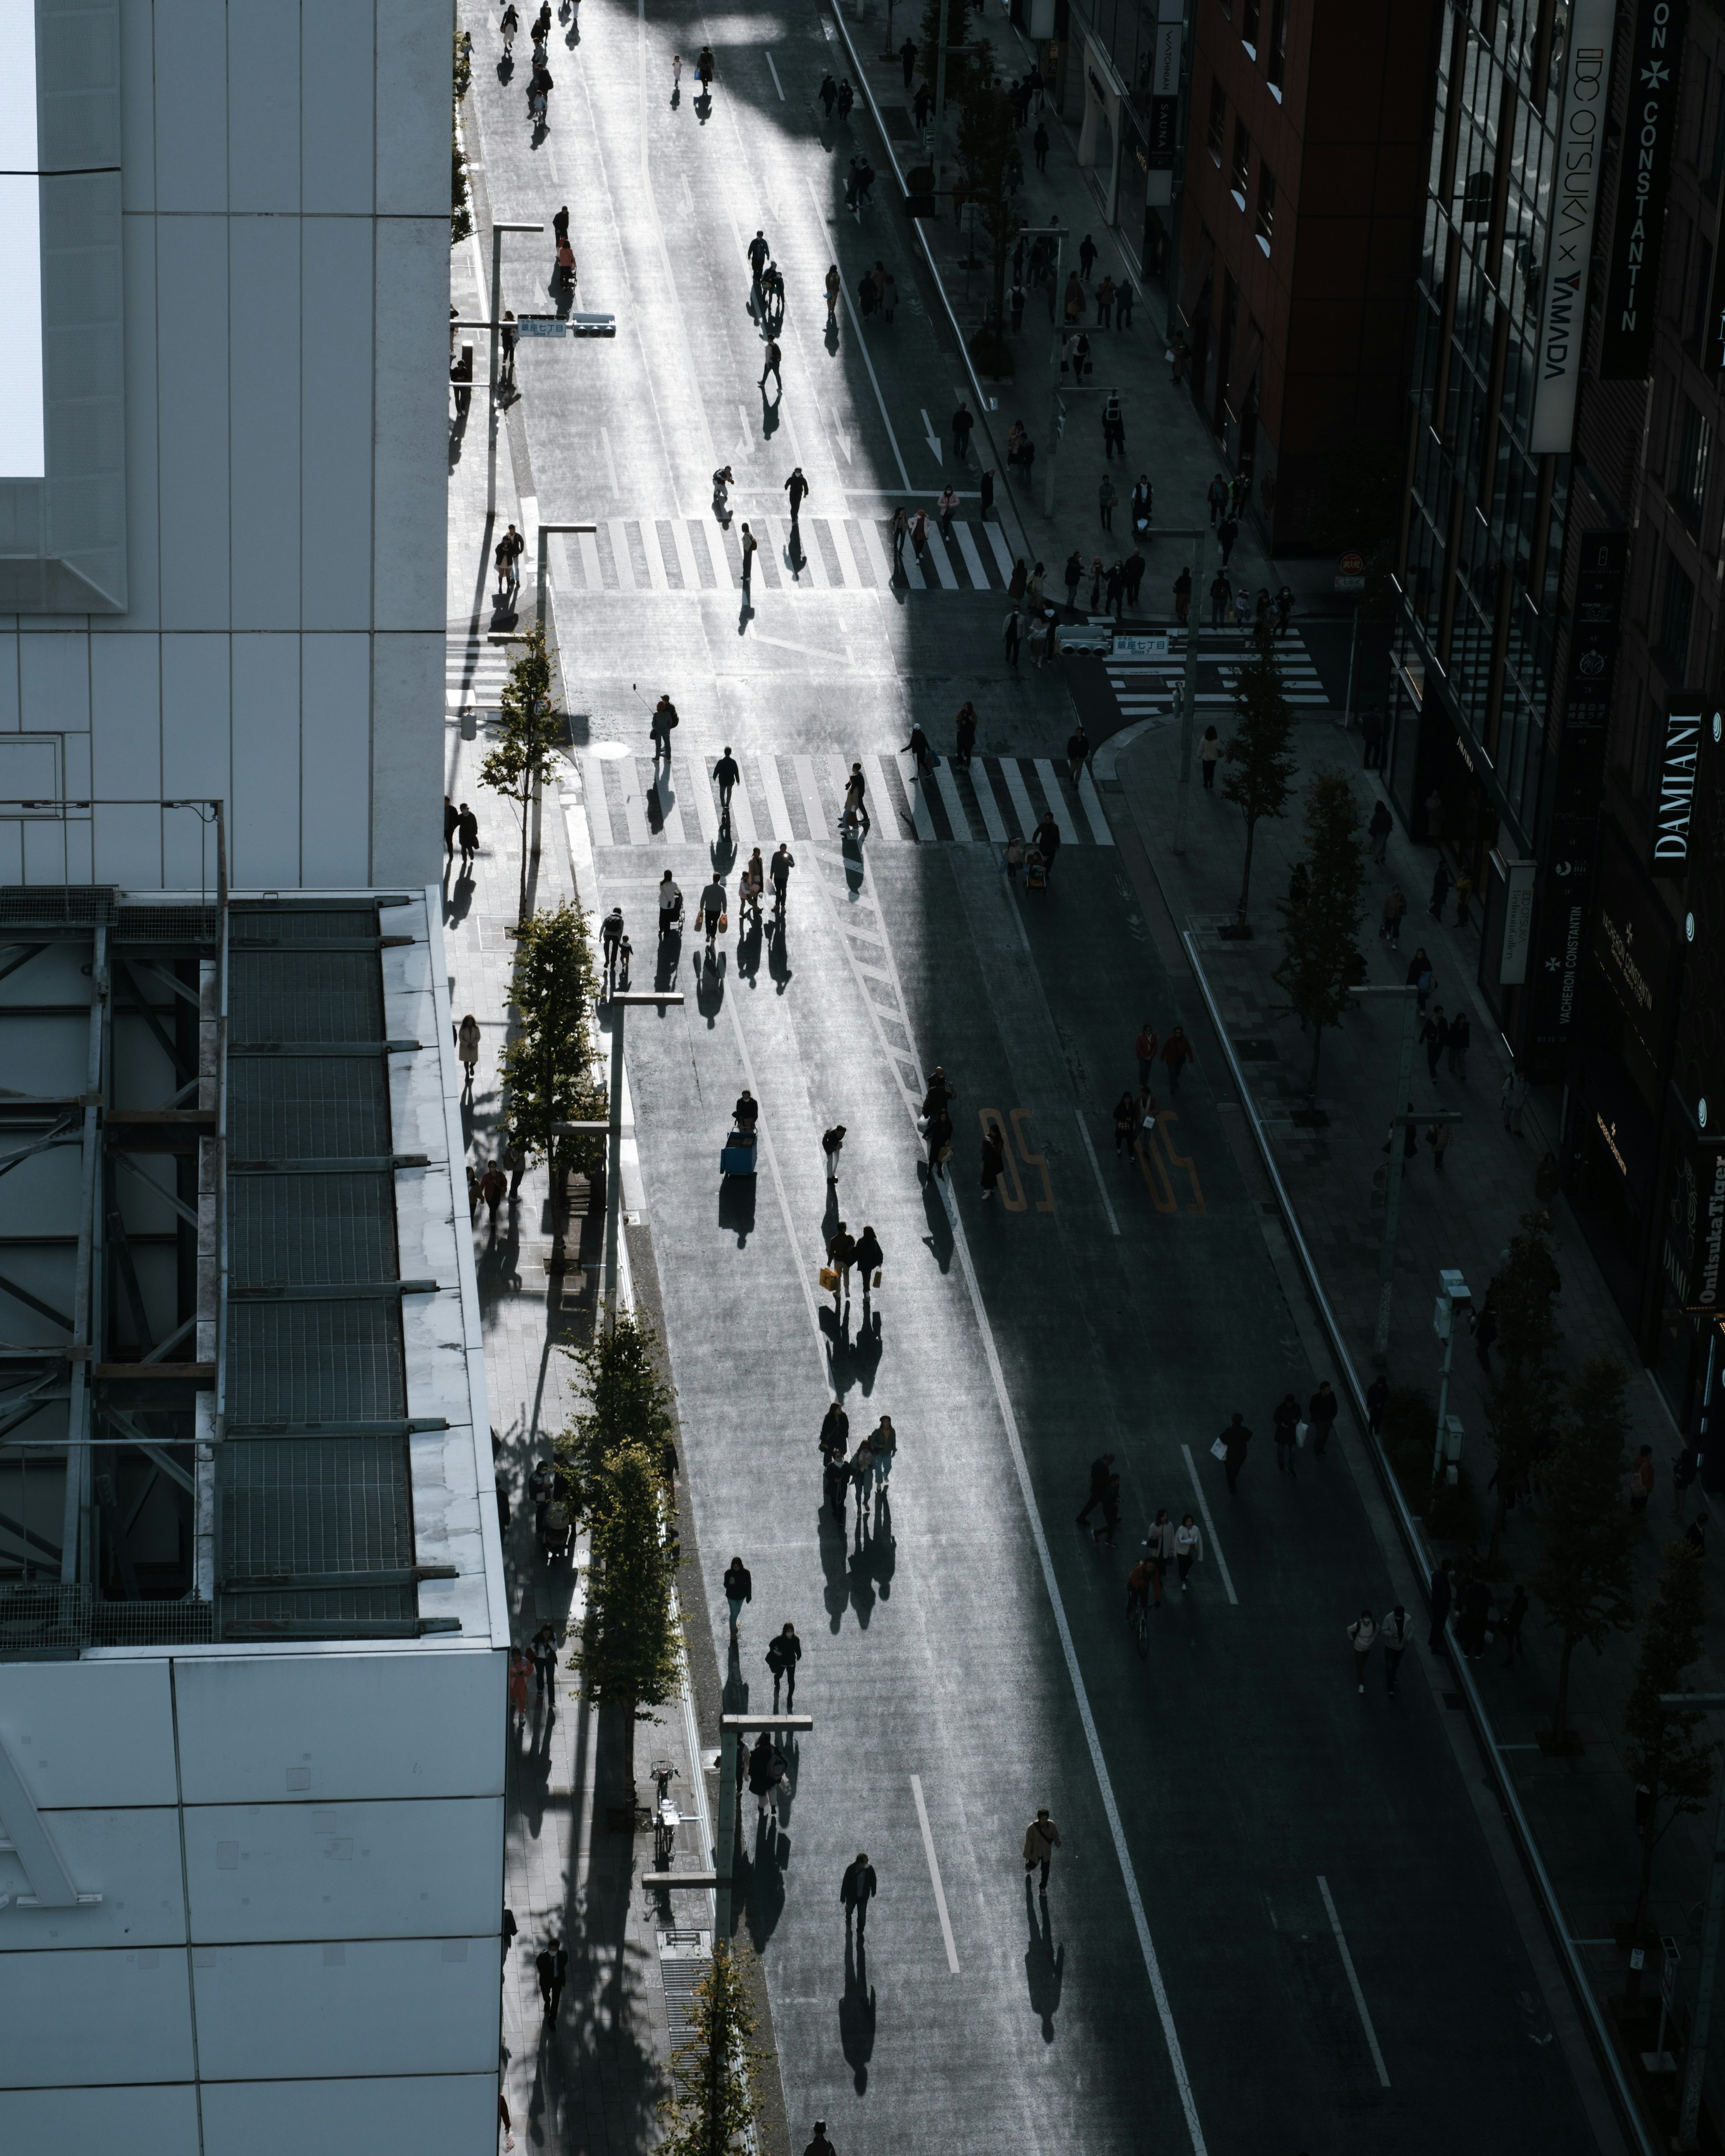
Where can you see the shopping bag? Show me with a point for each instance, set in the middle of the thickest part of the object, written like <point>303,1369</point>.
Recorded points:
<point>1300,1430</point>
<point>828,1280</point>
<point>877,1276</point>
<point>724,922</point>
<point>1218,1451</point>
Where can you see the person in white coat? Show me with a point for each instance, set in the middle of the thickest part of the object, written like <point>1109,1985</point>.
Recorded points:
<point>1188,1543</point>
<point>1363,1632</point>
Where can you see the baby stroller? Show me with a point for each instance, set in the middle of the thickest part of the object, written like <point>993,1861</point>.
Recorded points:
<point>1035,868</point>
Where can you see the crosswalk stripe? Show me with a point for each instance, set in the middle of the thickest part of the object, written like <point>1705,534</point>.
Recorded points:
<point>803,766</point>
<point>942,560</point>
<point>587,546</point>
<point>973,561</point>
<point>847,561</point>
<point>634,805</point>
<point>671,813</point>
<point>701,793</point>
<point>598,810</point>
<point>837,776</point>
<point>1093,808</point>
<point>957,813</point>
<point>777,807</point>
<point>920,812</point>
<point>882,804</point>
<point>1002,552</point>
<point>1052,794</point>
<point>877,553</point>
<point>913,569</point>
<point>993,821</point>
<point>620,554</point>
<point>650,547</point>
<point>1015,787</point>
<point>743,814</point>
<point>685,555</point>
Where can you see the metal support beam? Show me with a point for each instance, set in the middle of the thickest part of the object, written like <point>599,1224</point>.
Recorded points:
<point>28,1835</point>
<point>86,1306</point>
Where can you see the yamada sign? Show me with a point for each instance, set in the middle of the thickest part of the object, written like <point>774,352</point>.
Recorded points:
<point>1575,200</point>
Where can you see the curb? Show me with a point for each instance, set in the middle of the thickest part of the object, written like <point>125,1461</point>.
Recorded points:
<point>1630,2116</point>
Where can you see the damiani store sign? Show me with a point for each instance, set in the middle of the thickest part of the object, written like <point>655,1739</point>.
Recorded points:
<point>1674,803</point>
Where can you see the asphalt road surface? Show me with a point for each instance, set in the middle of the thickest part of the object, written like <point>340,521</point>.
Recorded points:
<point>1272,1922</point>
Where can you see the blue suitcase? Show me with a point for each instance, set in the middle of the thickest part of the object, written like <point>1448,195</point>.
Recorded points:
<point>737,1157</point>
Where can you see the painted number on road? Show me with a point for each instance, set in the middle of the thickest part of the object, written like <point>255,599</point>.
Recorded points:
<point>1157,1140</point>
<point>1010,1131</point>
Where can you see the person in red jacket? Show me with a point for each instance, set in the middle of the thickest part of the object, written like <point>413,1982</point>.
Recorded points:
<point>1176,1051</point>
<point>1144,1048</point>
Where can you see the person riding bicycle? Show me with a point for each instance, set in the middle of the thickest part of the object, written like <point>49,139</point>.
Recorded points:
<point>1137,1585</point>
<point>749,890</point>
<point>726,773</point>
<point>670,906</point>
<point>778,869</point>
<point>711,910</point>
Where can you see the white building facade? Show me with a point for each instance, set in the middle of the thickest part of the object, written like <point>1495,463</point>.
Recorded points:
<point>221,547</point>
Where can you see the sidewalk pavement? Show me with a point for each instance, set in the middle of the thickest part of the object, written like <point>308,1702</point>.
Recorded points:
<point>590,2078</point>
<point>1582,1809</point>
<point>1166,436</point>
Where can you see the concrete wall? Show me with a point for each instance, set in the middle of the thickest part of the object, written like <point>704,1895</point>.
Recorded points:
<point>285,191</point>
<point>301,1860</point>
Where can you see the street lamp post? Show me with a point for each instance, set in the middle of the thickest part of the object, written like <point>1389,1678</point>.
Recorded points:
<point>619,1000</point>
<point>497,233</point>
<point>1060,235</point>
<point>1189,698</point>
<point>1454,1297</point>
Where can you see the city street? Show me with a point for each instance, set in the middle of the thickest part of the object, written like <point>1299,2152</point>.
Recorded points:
<point>1273,1920</point>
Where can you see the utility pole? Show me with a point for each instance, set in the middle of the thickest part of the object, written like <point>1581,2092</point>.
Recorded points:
<point>940,100</point>
<point>497,233</point>
<point>1060,235</point>
<point>1187,695</point>
<point>1453,1298</point>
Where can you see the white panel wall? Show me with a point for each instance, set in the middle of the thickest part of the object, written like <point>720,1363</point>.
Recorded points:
<point>90,1734</point>
<point>130,1858</point>
<point>287,460</point>
<point>143,2121</point>
<point>366,2006</point>
<point>90,2018</point>
<point>400,1870</point>
<point>341,1727</point>
<point>443,2115</point>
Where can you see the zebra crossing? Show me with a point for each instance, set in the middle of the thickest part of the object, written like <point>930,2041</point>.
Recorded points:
<point>666,555</point>
<point>796,798</point>
<point>1145,689</point>
<point>475,671</point>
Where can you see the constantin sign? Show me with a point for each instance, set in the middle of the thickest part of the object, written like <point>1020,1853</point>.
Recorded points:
<point>1649,137</point>
<point>1575,197</point>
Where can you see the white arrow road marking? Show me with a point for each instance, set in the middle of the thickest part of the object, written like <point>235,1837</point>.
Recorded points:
<point>841,435</point>
<point>934,440</point>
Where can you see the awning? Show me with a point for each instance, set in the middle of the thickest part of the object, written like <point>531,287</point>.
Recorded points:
<point>1244,370</point>
<point>1194,283</point>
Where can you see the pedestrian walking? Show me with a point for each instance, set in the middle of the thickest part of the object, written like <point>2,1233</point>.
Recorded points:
<point>1377,1399</point>
<point>1077,753</point>
<point>773,357</point>
<point>964,734</point>
<point>467,1048</point>
<point>1394,907</point>
<point>1460,1040</point>
<point>1371,735</point>
<point>782,1656</point>
<point>985,496</point>
<point>542,1486</point>
<point>1221,598</point>
<point>1216,495</point>
<point>660,728</point>
<point>857,1889</point>
<point>1286,1421</point>
<point>1177,1052</point>
<point>1144,1050</point>
<point>841,1256</point>
<point>870,1259</point>
<point>1464,898</point>
<point>545,1964</point>
<point>963,419</point>
<point>1011,633</point>
<point>1039,143</point>
<point>739,1588</point>
<point>1189,1545</point>
<point>1379,829</point>
<point>1363,1633</point>
<point>1321,1411</point>
<point>452,825</point>
<point>1439,1137</point>
<point>1106,496</point>
<point>1209,755</point>
<point>994,1162</point>
<point>1442,1592</point>
<point>1440,889</point>
<point>1394,1633</point>
<point>749,544</point>
<point>1042,1838</point>
<point>1513,1625</point>
<point>883,1450</point>
<point>1126,1126</point>
<point>519,1667</point>
<point>832,1144</point>
<point>1160,1543</point>
<point>493,1186</point>
<point>542,1653</point>
<point>855,802</point>
<point>946,508</point>
<point>1513,1099</point>
<point>862,1474</point>
<point>1233,1442</point>
<point>797,487</point>
<point>907,54</point>
<point>1434,1037</point>
<point>1109,1532</point>
<point>820,2146</point>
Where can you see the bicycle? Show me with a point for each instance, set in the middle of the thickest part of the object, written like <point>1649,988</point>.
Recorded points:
<point>1138,1623</point>
<point>666,1818</point>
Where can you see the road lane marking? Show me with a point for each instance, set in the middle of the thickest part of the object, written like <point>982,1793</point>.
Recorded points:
<point>863,347</point>
<point>1210,1524</point>
<point>993,821</point>
<point>1101,1187</point>
<point>803,766</point>
<point>777,84</point>
<point>1093,808</point>
<point>1002,552</point>
<point>777,809</point>
<point>934,1874</point>
<point>973,561</point>
<point>877,553</point>
<point>1359,1996</point>
<point>1014,777</point>
<point>610,461</point>
<point>948,785</point>
<point>919,815</point>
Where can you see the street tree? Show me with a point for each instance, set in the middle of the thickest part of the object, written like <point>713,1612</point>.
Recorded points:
<point>530,733</point>
<point>549,1072</point>
<point>630,1652</point>
<point>991,167</point>
<point>1585,1579</point>
<point>1521,1400</point>
<point>961,59</point>
<point>1260,766</point>
<point>461,215</point>
<point>714,2103</point>
<point>628,1401</point>
<point>1321,954</point>
<point>1673,1770</point>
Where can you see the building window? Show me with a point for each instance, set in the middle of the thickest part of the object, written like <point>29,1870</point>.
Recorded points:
<point>1219,120</point>
<point>1278,61</point>
<point>1249,25</point>
<point>1689,481</point>
<point>1266,222</point>
<point>1477,198</point>
<point>1674,619</point>
<point>1242,159</point>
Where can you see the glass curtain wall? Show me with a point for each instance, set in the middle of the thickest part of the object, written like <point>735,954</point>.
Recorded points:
<point>1127,30</point>
<point>1485,521</point>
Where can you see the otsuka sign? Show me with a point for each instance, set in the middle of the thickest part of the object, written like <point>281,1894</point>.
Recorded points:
<point>1575,199</point>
